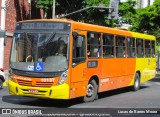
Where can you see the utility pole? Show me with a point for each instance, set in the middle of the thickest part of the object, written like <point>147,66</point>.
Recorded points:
<point>53,11</point>
<point>30,8</point>
<point>113,13</point>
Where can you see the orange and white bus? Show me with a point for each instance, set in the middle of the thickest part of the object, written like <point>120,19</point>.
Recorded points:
<point>64,59</point>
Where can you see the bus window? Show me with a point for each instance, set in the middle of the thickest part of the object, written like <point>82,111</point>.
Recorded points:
<point>120,47</point>
<point>79,49</point>
<point>153,48</point>
<point>139,47</point>
<point>108,46</point>
<point>131,52</point>
<point>147,48</point>
<point>94,45</point>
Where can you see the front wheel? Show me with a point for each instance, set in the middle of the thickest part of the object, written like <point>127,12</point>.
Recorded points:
<point>92,90</point>
<point>136,85</point>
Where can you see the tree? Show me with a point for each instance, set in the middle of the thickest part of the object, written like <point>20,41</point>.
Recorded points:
<point>67,6</point>
<point>46,5</point>
<point>147,20</point>
<point>93,15</point>
<point>127,11</point>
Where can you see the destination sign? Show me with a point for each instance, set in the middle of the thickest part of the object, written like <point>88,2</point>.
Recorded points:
<point>43,25</point>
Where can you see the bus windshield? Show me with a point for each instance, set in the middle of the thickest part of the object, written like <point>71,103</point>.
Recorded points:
<point>40,52</point>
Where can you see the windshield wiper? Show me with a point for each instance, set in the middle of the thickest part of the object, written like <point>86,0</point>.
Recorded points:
<point>47,41</point>
<point>27,38</point>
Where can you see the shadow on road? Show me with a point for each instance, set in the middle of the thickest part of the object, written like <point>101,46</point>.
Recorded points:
<point>28,101</point>
<point>156,79</point>
<point>118,91</point>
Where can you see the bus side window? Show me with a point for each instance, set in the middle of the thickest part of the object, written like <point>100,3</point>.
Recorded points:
<point>147,48</point>
<point>131,52</point>
<point>108,45</point>
<point>153,48</point>
<point>120,47</point>
<point>79,49</point>
<point>140,48</point>
<point>94,49</point>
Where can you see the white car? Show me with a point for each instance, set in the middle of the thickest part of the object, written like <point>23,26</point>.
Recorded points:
<point>2,77</point>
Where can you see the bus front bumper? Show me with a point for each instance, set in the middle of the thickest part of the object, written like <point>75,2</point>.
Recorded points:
<point>54,92</point>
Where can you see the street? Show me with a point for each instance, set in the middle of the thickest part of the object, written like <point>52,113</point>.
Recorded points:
<point>120,102</point>
<point>147,97</point>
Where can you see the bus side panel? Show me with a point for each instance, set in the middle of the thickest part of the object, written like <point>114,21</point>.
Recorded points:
<point>152,68</point>
<point>81,74</point>
<point>146,66</point>
<point>117,73</point>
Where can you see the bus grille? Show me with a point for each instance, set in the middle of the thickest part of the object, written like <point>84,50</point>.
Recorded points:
<point>36,84</point>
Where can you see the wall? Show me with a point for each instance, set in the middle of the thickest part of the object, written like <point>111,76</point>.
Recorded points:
<point>16,10</point>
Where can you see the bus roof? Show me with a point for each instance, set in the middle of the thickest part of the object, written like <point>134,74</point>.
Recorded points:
<point>95,28</point>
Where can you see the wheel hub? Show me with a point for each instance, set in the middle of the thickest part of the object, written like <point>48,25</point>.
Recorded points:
<point>90,90</point>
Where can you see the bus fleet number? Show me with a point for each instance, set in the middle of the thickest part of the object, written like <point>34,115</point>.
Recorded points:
<point>47,79</point>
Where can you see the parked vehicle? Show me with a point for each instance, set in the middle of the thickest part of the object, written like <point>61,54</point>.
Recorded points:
<point>2,78</point>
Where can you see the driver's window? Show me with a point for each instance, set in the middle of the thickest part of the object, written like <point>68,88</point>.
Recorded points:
<point>79,49</point>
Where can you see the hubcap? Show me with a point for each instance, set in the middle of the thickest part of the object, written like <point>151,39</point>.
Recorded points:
<point>90,90</point>
<point>136,83</point>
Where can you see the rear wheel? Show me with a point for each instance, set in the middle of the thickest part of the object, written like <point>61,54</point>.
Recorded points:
<point>92,90</point>
<point>136,85</point>
<point>1,84</point>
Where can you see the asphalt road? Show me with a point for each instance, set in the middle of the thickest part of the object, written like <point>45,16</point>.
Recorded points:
<point>147,97</point>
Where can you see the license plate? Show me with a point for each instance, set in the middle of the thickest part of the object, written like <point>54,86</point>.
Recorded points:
<point>33,91</point>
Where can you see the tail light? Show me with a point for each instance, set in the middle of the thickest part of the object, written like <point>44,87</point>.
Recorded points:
<point>1,69</point>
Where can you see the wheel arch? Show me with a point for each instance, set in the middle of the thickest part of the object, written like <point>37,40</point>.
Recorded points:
<point>95,77</point>
<point>139,73</point>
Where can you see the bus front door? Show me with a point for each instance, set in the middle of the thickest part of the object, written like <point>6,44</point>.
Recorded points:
<point>78,75</point>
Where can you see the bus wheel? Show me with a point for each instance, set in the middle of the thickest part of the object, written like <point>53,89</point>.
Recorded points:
<point>136,85</point>
<point>92,90</point>
<point>1,84</point>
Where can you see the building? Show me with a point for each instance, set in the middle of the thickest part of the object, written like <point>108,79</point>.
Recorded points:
<point>144,3</point>
<point>141,3</point>
<point>11,12</point>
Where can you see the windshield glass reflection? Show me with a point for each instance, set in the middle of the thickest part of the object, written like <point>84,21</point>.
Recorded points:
<point>48,48</point>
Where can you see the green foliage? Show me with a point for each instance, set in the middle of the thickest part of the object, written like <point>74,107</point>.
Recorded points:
<point>148,20</point>
<point>46,5</point>
<point>68,6</point>
<point>127,11</point>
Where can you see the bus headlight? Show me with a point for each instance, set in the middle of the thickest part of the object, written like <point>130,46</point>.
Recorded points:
<point>63,77</point>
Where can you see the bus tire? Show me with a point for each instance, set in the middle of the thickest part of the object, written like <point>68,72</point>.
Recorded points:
<point>136,85</point>
<point>1,83</point>
<point>92,90</point>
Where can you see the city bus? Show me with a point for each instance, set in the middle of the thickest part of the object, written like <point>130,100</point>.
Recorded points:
<point>65,59</point>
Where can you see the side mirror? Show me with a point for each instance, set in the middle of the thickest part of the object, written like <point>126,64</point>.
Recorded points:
<point>75,35</point>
